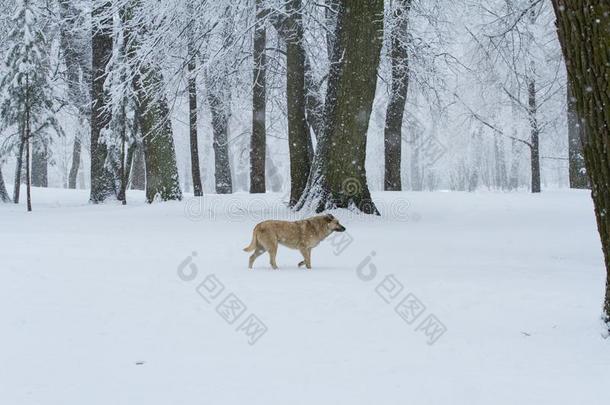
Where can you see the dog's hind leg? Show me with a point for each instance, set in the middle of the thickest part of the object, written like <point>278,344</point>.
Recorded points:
<point>272,253</point>
<point>259,251</point>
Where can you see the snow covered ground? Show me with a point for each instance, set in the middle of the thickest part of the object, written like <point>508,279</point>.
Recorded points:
<point>105,304</point>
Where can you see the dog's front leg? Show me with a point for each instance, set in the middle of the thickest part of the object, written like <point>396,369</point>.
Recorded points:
<point>307,256</point>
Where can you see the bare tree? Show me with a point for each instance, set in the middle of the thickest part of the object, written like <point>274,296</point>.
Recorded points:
<point>398,95</point>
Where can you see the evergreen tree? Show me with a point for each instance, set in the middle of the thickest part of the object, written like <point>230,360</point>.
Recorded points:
<point>26,93</point>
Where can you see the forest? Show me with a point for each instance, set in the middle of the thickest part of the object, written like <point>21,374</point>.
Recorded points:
<point>440,107</point>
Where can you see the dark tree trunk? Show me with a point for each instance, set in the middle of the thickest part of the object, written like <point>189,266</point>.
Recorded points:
<point>259,104</point>
<point>76,150</point>
<point>162,181</point>
<point>28,136</point>
<point>338,175</point>
<point>4,197</point>
<point>398,97</point>
<point>534,136</point>
<point>220,127</point>
<point>299,140</point>
<point>18,169</point>
<point>585,37</point>
<point>102,180</point>
<point>192,87</point>
<point>577,171</point>
<point>40,165</point>
<point>138,171</point>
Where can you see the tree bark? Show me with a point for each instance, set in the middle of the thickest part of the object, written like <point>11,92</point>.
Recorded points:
<point>584,34</point>
<point>220,127</point>
<point>338,175</point>
<point>192,89</point>
<point>138,171</point>
<point>576,161</point>
<point>18,169</point>
<point>76,151</point>
<point>398,97</point>
<point>102,180</point>
<point>259,104</point>
<point>4,197</point>
<point>162,181</point>
<point>40,165</point>
<point>299,139</point>
<point>534,136</point>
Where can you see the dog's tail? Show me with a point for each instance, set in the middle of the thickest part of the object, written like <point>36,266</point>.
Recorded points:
<point>252,245</point>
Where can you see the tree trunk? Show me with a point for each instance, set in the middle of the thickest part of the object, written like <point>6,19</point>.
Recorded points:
<point>28,136</point>
<point>102,180</point>
<point>299,140</point>
<point>40,171</point>
<point>259,104</point>
<point>398,96</point>
<point>192,87</point>
<point>585,39</point>
<point>78,70</point>
<point>18,169</point>
<point>220,127</point>
<point>138,171</point>
<point>76,151</point>
<point>162,180</point>
<point>577,171</point>
<point>534,136</point>
<point>338,175</point>
<point>4,197</point>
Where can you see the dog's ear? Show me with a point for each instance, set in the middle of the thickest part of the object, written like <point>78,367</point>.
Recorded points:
<point>329,217</point>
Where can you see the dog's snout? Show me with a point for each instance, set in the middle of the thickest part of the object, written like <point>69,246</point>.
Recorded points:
<point>341,228</point>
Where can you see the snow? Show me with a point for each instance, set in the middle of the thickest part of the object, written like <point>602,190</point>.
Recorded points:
<point>93,309</point>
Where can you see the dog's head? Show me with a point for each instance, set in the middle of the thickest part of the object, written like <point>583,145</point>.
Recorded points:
<point>333,223</point>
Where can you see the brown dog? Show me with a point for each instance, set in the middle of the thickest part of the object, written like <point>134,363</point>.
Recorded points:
<point>303,235</point>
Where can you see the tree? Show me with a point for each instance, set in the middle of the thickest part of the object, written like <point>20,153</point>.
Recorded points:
<point>398,95</point>
<point>76,51</point>
<point>338,174</point>
<point>27,99</point>
<point>259,103</point>
<point>582,27</point>
<point>103,182</point>
<point>192,91</point>
<point>40,164</point>
<point>299,139</point>
<point>4,197</point>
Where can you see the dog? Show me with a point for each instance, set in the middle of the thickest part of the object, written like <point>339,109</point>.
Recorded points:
<point>302,235</point>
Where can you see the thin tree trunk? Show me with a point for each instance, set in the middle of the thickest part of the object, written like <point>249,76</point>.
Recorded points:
<point>76,151</point>
<point>338,175</point>
<point>27,134</point>
<point>192,87</point>
<point>398,96</point>
<point>4,197</point>
<point>299,139</point>
<point>18,169</point>
<point>102,180</point>
<point>577,171</point>
<point>534,136</point>
<point>584,36</point>
<point>259,104</point>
